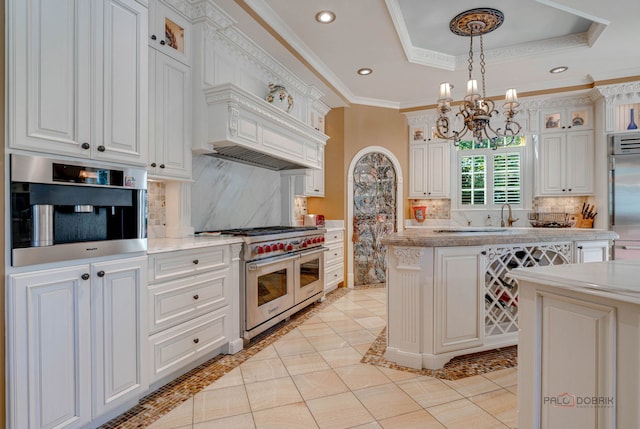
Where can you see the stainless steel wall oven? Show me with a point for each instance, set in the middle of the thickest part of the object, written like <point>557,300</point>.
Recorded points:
<point>63,210</point>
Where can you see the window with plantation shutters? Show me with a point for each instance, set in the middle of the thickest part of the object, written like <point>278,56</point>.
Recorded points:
<point>490,177</point>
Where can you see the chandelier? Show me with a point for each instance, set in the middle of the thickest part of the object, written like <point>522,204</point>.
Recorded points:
<point>476,110</point>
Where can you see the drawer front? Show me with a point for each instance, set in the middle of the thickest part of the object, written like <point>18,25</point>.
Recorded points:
<point>171,265</point>
<point>177,301</point>
<point>177,347</point>
<point>334,254</point>
<point>334,236</point>
<point>334,274</point>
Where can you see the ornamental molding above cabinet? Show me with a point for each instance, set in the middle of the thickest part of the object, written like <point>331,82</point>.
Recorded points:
<point>245,128</point>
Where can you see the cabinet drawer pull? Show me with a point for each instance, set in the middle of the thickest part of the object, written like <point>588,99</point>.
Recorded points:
<point>85,276</point>
<point>580,247</point>
<point>273,309</point>
<point>162,165</point>
<point>196,340</point>
<point>162,42</point>
<point>153,37</point>
<point>335,254</point>
<point>483,252</point>
<point>85,145</point>
<point>196,296</point>
<point>100,273</point>
<point>196,261</point>
<point>153,164</point>
<point>101,148</point>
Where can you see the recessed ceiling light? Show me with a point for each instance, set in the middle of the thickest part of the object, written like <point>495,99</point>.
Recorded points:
<point>559,69</point>
<point>325,16</point>
<point>365,71</point>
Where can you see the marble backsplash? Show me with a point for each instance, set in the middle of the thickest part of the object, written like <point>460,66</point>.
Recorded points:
<point>228,194</point>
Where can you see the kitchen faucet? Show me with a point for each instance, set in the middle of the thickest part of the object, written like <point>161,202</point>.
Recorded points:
<point>510,219</point>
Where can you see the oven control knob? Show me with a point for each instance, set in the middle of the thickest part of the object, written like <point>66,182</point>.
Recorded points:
<point>259,249</point>
<point>274,247</point>
<point>304,243</point>
<point>289,247</point>
<point>316,240</point>
<point>281,246</point>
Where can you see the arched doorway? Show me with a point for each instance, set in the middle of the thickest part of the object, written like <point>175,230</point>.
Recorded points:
<point>374,210</point>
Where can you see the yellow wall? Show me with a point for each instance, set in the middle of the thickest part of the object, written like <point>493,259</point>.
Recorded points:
<point>351,129</point>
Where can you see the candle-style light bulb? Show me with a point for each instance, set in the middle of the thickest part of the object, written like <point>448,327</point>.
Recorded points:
<point>511,96</point>
<point>472,87</point>
<point>445,91</point>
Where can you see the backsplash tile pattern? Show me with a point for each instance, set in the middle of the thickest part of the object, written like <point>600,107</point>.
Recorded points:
<point>436,209</point>
<point>300,209</point>
<point>571,205</point>
<point>157,203</point>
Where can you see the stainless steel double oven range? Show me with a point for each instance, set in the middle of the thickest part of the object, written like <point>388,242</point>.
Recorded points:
<point>282,271</point>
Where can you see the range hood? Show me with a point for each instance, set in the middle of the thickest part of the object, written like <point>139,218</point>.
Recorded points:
<point>245,128</point>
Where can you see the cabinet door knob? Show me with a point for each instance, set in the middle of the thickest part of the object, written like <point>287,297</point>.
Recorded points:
<point>196,340</point>
<point>162,42</point>
<point>483,252</point>
<point>85,276</point>
<point>101,148</point>
<point>100,273</point>
<point>153,37</point>
<point>196,296</point>
<point>569,189</point>
<point>196,261</point>
<point>85,145</point>
<point>580,247</point>
<point>153,164</point>
<point>162,165</point>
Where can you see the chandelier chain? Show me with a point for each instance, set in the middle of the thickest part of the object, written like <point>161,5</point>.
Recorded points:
<point>482,64</point>
<point>470,59</point>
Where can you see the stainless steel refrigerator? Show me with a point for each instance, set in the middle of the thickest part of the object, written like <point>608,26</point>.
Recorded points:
<point>624,194</point>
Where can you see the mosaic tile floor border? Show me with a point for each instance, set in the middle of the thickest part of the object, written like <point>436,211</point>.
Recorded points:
<point>458,367</point>
<point>161,401</point>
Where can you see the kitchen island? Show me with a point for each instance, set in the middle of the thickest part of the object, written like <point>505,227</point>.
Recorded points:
<point>451,292</point>
<point>579,346</point>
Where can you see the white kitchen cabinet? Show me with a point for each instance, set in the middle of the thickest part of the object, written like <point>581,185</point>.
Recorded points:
<point>169,32</point>
<point>170,114</point>
<point>591,251</point>
<point>576,118</point>
<point>74,342</point>
<point>577,358</point>
<point>334,258</point>
<point>459,298</point>
<point>566,163</point>
<point>429,170</point>
<point>78,79</point>
<point>119,332</point>
<point>311,184</point>
<point>49,348</point>
<point>194,302</point>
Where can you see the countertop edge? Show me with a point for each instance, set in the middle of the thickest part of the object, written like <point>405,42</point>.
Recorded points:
<point>428,238</point>
<point>564,277</point>
<point>162,245</point>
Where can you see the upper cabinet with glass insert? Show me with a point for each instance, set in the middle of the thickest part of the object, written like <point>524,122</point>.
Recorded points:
<point>577,118</point>
<point>169,32</point>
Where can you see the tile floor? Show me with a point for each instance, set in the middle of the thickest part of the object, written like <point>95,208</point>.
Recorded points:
<point>312,377</point>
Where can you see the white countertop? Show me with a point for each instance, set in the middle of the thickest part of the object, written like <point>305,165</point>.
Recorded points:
<point>159,245</point>
<point>619,279</point>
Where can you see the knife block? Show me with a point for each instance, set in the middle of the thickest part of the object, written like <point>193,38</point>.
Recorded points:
<point>583,223</point>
